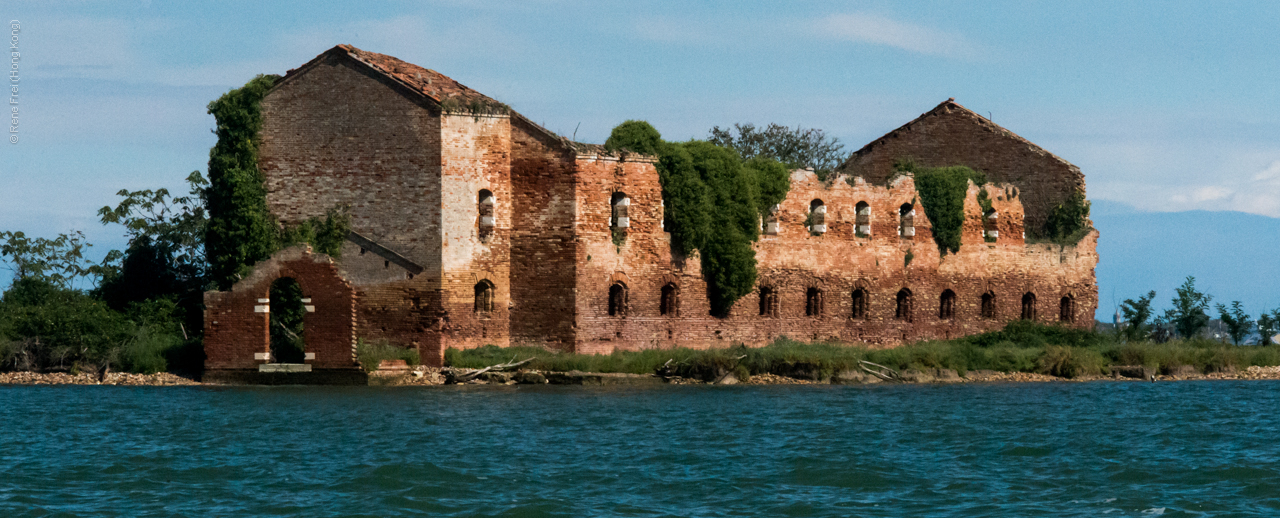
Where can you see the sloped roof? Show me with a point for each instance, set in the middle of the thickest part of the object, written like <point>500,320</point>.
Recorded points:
<point>950,106</point>
<point>426,82</point>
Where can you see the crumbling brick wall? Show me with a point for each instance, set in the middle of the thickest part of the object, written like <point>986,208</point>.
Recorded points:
<point>237,320</point>
<point>952,135</point>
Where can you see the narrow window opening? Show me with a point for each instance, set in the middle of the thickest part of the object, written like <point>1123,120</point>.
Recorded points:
<point>860,303</point>
<point>947,305</point>
<point>862,222</point>
<point>817,221</point>
<point>771,225</point>
<point>618,300</point>
<point>670,303</point>
<point>1029,306</point>
<point>903,312</point>
<point>1067,309</point>
<point>813,302</point>
<point>991,226</point>
<point>907,220</point>
<point>485,214</point>
<point>484,297</point>
<point>988,305</point>
<point>768,302</point>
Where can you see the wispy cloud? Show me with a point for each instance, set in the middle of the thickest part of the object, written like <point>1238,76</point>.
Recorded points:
<point>879,30</point>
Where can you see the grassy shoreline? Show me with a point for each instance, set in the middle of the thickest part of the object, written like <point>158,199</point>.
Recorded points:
<point>1020,347</point>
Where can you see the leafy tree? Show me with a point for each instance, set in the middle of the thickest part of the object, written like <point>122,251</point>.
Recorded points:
<point>1187,316</point>
<point>1237,321</point>
<point>1136,313</point>
<point>636,136</point>
<point>239,232</point>
<point>1268,326</point>
<point>796,148</point>
<point>58,261</point>
<point>714,201</point>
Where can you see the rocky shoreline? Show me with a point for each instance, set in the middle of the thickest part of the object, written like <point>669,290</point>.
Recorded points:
<point>426,376</point>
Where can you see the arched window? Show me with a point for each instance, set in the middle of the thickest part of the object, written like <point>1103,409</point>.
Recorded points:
<point>988,305</point>
<point>991,226</point>
<point>1029,306</point>
<point>484,297</point>
<point>817,221</point>
<point>670,303</point>
<point>771,220</point>
<point>1067,309</point>
<point>813,302</point>
<point>862,223</point>
<point>285,317</point>
<point>618,300</point>
<point>947,305</point>
<point>907,220</point>
<point>768,302</point>
<point>484,213</point>
<point>904,305</point>
<point>619,218</point>
<point>860,303</point>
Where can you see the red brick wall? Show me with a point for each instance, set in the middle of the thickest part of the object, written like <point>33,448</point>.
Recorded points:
<point>234,331</point>
<point>952,135</point>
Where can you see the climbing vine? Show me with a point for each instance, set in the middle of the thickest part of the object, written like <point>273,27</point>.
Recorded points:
<point>942,192</point>
<point>714,202</point>
<point>1069,221</point>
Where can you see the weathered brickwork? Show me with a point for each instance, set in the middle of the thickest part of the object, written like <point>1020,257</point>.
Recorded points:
<point>475,228</point>
<point>951,135</point>
<point>236,321</point>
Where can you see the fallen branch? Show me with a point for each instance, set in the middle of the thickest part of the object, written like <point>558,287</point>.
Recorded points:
<point>882,372</point>
<point>492,368</point>
<point>731,370</point>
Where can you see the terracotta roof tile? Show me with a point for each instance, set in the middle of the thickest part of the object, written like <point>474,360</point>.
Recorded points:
<point>429,83</point>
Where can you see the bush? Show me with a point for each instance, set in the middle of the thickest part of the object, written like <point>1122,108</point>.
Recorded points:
<point>1070,362</point>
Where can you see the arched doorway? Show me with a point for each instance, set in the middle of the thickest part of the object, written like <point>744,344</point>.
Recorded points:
<point>288,342</point>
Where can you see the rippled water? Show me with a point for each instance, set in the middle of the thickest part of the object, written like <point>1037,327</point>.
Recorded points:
<point>1122,449</point>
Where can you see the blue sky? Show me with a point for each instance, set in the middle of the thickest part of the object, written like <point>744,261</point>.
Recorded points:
<point>1166,106</point>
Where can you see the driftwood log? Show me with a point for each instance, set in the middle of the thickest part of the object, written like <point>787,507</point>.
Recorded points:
<point>492,368</point>
<point>880,371</point>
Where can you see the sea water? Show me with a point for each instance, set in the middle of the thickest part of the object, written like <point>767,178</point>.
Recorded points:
<point>1060,449</point>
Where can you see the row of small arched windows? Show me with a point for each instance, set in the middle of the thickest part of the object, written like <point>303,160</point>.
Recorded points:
<point>816,220</point>
<point>668,301</point>
<point>904,305</point>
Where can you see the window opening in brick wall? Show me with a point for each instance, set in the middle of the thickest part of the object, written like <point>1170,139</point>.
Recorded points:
<point>988,305</point>
<point>771,225</point>
<point>485,214</point>
<point>903,312</point>
<point>1029,306</point>
<point>1067,309</point>
<point>620,217</point>
<point>991,226</point>
<point>670,303</point>
<point>768,302</point>
<point>860,303</point>
<point>618,300</point>
<point>817,221</point>
<point>907,220</point>
<point>947,305</point>
<point>285,316</point>
<point>862,219</point>
<point>484,297</point>
<point>813,302</point>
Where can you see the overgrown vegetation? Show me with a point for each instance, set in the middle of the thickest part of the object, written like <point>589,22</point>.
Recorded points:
<point>714,201</point>
<point>1069,221</point>
<point>1020,347</point>
<point>796,148</point>
<point>942,192</point>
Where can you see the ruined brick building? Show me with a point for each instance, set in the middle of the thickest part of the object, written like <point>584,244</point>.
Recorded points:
<point>472,225</point>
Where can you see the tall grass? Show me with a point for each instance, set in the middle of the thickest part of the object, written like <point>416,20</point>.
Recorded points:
<point>1019,347</point>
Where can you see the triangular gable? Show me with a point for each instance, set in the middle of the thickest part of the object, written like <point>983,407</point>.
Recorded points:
<point>424,82</point>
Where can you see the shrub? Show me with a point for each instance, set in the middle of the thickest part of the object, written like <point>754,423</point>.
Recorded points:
<point>370,354</point>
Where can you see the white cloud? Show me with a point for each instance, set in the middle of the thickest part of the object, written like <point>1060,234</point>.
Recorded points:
<point>879,30</point>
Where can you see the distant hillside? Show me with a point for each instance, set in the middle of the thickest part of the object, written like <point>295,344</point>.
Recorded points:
<point>1233,255</point>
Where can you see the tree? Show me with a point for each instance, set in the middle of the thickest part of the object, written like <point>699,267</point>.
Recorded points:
<point>240,231</point>
<point>1237,321</point>
<point>1188,315</point>
<point>636,136</point>
<point>57,261</point>
<point>796,148</point>
<point>1268,326</point>
<point>1136,313</point>
<point>1069,220</point>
